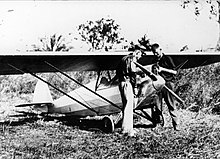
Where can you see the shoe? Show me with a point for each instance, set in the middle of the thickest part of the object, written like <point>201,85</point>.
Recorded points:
<point>175,127</point>
<point>131,133</point>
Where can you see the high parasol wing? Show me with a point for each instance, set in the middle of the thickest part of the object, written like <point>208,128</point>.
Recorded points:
<point>37,62</point>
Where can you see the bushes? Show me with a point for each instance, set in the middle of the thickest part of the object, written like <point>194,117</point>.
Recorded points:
<point>16,85</point>
<point>199,85</point>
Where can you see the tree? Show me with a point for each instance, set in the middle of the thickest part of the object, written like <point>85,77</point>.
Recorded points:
<point>143,42</point>
<point>214,11</point>
<point>103,33</point>
<point>52,43</point>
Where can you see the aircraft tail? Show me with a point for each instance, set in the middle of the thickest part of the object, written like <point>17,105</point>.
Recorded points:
<point>42,93</point>
<point>42,98</point>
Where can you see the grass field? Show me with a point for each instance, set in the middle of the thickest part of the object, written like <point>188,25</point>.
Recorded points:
<point>199,138</point>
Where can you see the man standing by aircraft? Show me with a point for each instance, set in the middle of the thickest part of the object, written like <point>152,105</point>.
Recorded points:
<point>126,73</point>
<point>162,60</point>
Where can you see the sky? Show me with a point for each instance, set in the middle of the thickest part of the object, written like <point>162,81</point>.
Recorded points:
<point>23,23</point>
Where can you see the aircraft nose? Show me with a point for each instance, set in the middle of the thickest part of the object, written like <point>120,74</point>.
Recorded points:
<point>159,83</point>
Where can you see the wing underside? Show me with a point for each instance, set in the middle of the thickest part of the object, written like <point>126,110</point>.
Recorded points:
<point>66,62</point>
<point>37,62</point>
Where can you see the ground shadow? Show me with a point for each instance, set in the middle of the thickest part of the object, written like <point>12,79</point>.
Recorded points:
<point>83,124</point>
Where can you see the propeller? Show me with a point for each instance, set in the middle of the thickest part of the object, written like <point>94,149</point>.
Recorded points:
<point>154,78</point>
<point>148,73</point>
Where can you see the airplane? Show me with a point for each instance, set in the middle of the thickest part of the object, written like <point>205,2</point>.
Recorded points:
<point>100,98</point>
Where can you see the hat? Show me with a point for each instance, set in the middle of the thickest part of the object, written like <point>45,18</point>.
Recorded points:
<point>154,46</point>
<point>140,47</point>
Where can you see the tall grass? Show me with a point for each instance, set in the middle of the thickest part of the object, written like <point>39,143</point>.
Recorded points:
<point>199,85</point>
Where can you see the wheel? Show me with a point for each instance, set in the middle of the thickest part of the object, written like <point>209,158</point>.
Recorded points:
<point>108,125</point>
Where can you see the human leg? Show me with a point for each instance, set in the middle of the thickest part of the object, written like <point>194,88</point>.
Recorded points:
<point>171,104</point>
<point>128,101</point>
<point>158,107</point>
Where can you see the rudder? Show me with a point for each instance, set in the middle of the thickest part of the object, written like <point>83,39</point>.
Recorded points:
<point>42,93</point>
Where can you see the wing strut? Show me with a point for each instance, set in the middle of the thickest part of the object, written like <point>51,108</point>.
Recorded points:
<point>82,85</point>
<point>97,81</point>
<point>27,71</point>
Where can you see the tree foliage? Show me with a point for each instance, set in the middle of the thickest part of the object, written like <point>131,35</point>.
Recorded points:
<point>214,10</point>
<point>52,43</point>
<point>198,6</point>
<point>143,42</point>
<point>103,33</point>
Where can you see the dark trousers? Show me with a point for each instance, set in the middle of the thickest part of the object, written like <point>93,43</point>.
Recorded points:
<point>171,102</point>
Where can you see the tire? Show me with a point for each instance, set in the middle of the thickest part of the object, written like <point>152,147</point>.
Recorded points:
<point>108,125</point>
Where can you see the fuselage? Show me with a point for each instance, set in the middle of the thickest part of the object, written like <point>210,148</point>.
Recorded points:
<point>65,105</point>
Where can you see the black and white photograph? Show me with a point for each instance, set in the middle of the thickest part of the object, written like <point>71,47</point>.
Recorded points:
<point>126,79</point>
